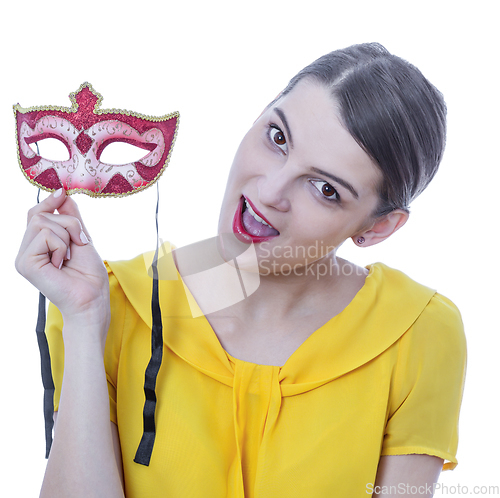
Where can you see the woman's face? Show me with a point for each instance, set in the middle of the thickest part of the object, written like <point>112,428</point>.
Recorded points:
<point>301,172</point>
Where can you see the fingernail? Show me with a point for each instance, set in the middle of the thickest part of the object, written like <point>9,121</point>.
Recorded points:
<point>60,265</point>
<point>68,254</point>
<point>83,237</point>
<point>57,193</point>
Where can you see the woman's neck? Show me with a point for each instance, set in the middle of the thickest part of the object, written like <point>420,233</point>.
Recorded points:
<point>330,282</point>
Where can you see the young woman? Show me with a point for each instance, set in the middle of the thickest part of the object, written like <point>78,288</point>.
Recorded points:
<point>327,379</point>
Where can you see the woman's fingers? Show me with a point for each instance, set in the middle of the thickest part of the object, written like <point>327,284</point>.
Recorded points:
<point>44,242</point>
<point>70,208</point>
<point>63,223</point>
<point>56,234</point>
<point>49,236</point>
<point>66,229</point>
<point>47,247</point>
<point>48,205</point>
<point>60,202</point>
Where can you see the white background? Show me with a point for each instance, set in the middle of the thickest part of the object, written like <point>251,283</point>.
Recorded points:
<point>219,63</point>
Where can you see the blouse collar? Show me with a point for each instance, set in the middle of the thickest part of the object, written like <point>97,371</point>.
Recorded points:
<point>380,313</point>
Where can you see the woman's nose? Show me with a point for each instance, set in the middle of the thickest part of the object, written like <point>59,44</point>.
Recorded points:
<point>275,189</point>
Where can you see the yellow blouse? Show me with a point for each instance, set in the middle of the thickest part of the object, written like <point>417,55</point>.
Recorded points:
<point>384,377</point>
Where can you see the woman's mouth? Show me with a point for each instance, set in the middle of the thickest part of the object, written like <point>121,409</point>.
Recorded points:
<point>250,226</point>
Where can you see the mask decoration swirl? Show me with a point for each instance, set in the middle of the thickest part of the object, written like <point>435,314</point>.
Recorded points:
<point>86,130</point>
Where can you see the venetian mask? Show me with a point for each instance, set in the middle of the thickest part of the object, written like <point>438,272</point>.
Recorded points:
<point>86,130</point>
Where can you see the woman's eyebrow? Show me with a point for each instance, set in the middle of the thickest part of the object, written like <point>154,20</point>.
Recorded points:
<point>338,180</point>
<point>282,116</point>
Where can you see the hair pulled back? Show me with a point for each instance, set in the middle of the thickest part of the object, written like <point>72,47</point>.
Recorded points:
<point>394,113</point>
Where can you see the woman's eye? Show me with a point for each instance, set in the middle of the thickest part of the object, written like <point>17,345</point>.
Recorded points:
<point>326,189</point>
<point>278,138</point>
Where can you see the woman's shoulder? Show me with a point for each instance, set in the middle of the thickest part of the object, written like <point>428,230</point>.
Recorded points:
<point>140,267</point>
<point>135,275</point>
<point>133,279</point>
<point>439,319</point>
<point>441,324</point>
<point>397,288</point>
<point>397,279</point>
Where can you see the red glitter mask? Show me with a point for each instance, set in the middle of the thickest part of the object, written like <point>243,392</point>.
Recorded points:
<point>86,130</point>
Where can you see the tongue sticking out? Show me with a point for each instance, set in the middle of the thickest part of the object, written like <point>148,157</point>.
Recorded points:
<point>254,227</point>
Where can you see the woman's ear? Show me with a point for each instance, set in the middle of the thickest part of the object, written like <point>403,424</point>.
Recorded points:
<point>382,228</point>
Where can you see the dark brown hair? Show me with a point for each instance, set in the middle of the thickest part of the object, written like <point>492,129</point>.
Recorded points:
<point>395,114</point>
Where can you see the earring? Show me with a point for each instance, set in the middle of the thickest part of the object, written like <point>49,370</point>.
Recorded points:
<point>360,240</point>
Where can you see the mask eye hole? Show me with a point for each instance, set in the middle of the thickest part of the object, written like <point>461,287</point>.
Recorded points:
<point>51,149</point>
<point>119,153</point>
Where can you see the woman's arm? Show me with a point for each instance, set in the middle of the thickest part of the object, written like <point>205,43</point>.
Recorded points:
<point>116,445</point>
<point>85,459</point>
<point>407,475</point>
<point>56,256</point>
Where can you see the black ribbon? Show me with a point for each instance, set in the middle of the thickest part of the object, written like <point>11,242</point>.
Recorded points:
<point>145,449</point>
<point>47,381</point>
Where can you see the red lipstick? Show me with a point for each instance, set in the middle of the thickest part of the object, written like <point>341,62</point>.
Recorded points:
<point>241,231</point>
